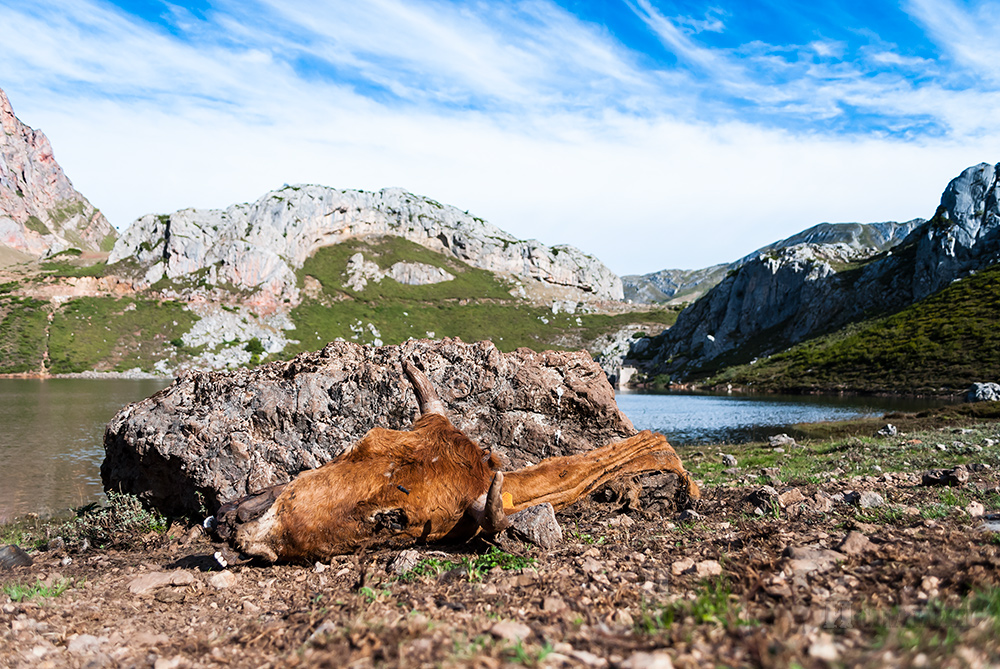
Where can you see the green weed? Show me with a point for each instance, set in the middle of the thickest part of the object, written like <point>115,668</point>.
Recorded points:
<point>475,568</point>
<point>20,591</point>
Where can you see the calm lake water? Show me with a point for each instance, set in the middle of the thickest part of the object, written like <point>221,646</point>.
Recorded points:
<point>687,419</point>
<point>51,431</point>
<point>51,439</point>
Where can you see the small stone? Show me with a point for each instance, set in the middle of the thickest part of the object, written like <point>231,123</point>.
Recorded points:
<point>643,660</point>
<point>85,644</point>
<point>12,556</point>
<point>403,562</point>
<point>888,431</point>
<point>591,566</point>
<point>553,605</point>
<point>510,631</point>
<point>158,579</point>
<point>250,608</point>
<point>142,639</point>
<point>588,659</point>
<point>823,649</point>
<point>975,509</point>
<point>66,561</point>
<point>707,568</point>
<point>779,449</point>
<point>222,580</point>
<point>682,566</point>
<point>789,497</point>
<point>729,460</point>
<point>855,543</point>
<point>870,500</point>
<point>537,525</point>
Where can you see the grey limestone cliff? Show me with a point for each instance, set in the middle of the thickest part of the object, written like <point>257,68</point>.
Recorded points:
<point>258,246</point>
<point>790,293</point>
<point>40,211</point>
<point>859,240</point>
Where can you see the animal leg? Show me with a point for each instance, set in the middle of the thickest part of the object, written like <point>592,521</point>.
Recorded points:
<point>563,480</point>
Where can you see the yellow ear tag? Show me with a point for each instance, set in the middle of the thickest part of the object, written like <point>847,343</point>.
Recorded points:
<point>508,500</point>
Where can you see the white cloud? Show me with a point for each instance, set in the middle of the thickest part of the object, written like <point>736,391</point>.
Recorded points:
<point>522,114</point>
<point>969,34</point>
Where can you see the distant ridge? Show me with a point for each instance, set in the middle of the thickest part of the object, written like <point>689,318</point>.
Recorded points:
<point>863,240</point>
<point>258,246</point>
<point>793,292</point>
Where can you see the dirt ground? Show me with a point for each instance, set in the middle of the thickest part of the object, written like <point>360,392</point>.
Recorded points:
<point>749,579</point>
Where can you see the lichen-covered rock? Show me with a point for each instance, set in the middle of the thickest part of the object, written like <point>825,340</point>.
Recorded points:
<point>214,436</point>
<point>40,211</point>
<point>259,246</point>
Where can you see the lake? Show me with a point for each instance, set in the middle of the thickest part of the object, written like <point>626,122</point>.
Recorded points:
<point>51,431</point>
<point>691,419</point>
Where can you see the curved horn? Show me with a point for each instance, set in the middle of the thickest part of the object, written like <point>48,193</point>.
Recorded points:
<point>427,397</point>
<point>494,519</point>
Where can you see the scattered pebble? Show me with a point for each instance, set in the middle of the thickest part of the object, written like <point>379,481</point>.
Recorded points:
<point>510,631</point>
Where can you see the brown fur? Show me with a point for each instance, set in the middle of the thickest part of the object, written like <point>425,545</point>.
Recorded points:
<point>426,484</point>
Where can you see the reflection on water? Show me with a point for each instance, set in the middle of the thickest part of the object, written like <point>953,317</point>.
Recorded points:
<point>688,419</point>
<point>51,439</point>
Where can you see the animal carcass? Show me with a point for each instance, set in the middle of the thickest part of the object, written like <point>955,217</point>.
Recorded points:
<point>431,483</point>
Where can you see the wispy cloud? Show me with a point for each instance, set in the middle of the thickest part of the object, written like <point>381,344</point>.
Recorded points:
<point>546,122</point>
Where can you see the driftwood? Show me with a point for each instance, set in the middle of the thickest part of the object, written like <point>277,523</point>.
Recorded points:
<point>431,483</point>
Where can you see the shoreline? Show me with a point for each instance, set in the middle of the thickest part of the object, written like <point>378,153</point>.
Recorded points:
<point>131,374</point>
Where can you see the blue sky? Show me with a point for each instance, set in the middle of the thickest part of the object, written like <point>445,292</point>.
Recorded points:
<point>652,134</point>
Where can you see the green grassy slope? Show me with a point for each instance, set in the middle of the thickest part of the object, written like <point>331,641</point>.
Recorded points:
<point>108,334</point>
<point>475,305</point>
<point>22,332</point>
<point>946,341</point>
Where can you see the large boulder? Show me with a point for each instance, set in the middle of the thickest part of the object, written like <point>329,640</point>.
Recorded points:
<point>214,436</point>
<point>983,392</point>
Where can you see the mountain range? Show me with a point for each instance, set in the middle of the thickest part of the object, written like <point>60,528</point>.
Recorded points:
<point>306,264</point>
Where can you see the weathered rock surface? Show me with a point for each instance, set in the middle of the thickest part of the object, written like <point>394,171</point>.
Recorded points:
<point>983,392</point>
<point>216,436</point>
<point>259,246</point>
<point>784,296</point>
<point>40,211</point>
<point>860,240</point>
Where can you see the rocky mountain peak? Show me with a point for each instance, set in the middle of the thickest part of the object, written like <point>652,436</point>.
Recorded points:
<point>789,293</point>
<point>258,246</point>
<point>40,211</point>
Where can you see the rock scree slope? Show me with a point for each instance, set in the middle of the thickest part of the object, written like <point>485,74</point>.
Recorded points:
<point>214,436</point>
<point>40,211</point>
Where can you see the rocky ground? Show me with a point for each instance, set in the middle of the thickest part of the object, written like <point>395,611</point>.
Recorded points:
<point>844,551</point>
